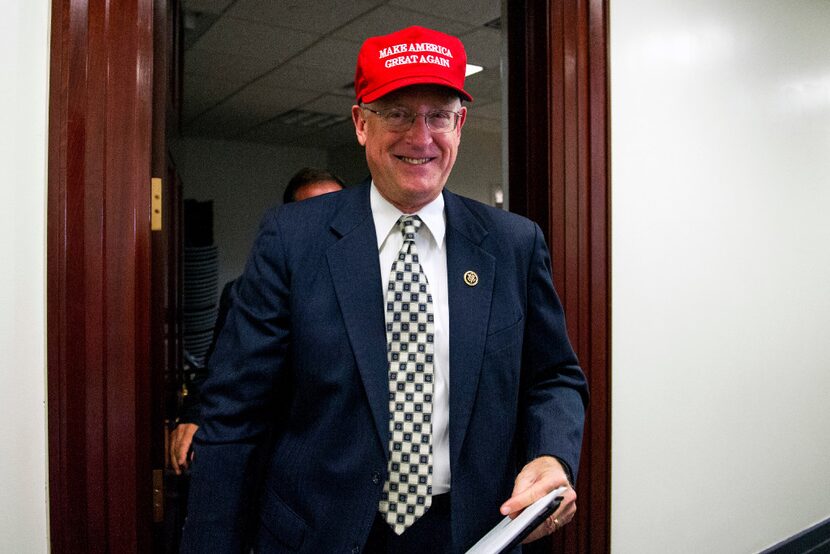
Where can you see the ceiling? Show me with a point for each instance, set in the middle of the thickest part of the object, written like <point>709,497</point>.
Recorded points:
<point>281,71</point>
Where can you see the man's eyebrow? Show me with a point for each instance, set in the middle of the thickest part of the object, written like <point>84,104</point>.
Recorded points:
<point>448,107</point>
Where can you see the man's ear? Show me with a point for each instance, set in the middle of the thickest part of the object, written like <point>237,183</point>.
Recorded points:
<point>462,119</point>
<point>359,124</point>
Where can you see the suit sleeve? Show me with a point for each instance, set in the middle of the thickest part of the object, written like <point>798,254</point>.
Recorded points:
<point>191,407</point>
<point>237,397</point>
<point>554,390</point>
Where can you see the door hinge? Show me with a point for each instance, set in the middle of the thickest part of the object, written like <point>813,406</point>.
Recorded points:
<point>155,204</point>
<point>158,495</point>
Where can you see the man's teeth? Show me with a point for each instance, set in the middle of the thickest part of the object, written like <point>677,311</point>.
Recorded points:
<point>415,161</point>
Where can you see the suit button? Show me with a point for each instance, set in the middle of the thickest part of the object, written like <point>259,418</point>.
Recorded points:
<point>376,478</point>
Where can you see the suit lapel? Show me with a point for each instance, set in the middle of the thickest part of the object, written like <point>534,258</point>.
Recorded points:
<point>469,313</point>
<point>353,262</point>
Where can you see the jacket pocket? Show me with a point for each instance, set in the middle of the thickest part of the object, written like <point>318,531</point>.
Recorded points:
<point>281,522</point>
<point>504,337</point>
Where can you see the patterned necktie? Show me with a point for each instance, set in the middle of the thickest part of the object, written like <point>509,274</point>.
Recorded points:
<point>410,328</point>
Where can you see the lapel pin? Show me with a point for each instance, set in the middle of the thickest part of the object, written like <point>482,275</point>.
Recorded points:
<point>471,278</point>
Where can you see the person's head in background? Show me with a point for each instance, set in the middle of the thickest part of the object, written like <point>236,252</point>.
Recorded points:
<point>309,182</point>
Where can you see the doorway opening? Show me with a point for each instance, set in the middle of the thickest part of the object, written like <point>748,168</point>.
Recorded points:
<point>265,89</point>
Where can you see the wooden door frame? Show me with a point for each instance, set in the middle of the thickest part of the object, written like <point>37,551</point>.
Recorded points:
<point>99,242</point>
<point>98,275</point>
<point>558,140</point>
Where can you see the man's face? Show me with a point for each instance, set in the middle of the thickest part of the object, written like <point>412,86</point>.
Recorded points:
<point>410,167</point>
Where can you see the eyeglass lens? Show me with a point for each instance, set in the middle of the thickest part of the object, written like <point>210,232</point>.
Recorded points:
<point>440,120</point>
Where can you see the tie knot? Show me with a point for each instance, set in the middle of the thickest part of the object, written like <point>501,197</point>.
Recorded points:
<point>409,225</point>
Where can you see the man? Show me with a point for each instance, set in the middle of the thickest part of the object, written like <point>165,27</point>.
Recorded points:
<point>432,387</point>
<point>308,182</point>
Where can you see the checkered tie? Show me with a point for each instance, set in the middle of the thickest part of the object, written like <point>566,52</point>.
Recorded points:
<point>410,328</point>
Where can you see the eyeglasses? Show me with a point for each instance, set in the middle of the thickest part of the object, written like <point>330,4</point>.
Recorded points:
<point>401,119</point>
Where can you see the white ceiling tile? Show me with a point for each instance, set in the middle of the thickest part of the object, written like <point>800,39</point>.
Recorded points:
<point>220,124</point>
<point>483,47</point>
<point>320,16</point>
<point>333,79</point>
<point>225,66</point>
<point>202,92</point>
<point>276,132</point>
<point>254,40</point>
<point>246,109</point>
<point>329,53</point>
<point>471,12</point>
<point>209,6</point>
<point>336,135</point>
<point>484,86</point>
<point>196,24</point>
<point>332,104</point>
<point>385,20</point>
<point>260,58</point>
<point>259,101</point>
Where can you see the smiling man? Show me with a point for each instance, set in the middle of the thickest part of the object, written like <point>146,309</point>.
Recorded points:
<point>411,161</point>
<point>416,335</point>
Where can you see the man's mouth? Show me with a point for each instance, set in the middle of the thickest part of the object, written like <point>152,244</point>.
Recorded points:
<point>413,161</point>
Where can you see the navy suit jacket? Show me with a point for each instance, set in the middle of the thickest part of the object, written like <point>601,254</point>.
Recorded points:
<point>302,360</point>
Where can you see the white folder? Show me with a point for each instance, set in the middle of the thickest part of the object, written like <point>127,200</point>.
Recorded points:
<point>510,532</point>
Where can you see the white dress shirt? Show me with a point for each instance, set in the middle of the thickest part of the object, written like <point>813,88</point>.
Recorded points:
<point>432,254</point>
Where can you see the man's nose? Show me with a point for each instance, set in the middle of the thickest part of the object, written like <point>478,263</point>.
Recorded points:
<point>419,131</point>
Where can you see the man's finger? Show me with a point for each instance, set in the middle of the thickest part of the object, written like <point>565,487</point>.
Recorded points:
<point>174,441</point>
<point>523,482</point>
<point>525,498</point>
<point>176,461</point>
<point>556,521</point>
<point>547,527</point>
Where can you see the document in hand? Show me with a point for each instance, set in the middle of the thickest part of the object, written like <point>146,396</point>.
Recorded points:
<point>510,532</point>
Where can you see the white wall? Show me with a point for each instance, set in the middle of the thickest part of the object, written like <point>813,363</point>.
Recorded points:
<point>243,180</point>
<point>721,273</point>
<point>24,61</point>
<point>349,163</point>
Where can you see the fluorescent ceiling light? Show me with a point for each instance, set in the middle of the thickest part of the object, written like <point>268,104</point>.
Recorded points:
<point>472,69</point>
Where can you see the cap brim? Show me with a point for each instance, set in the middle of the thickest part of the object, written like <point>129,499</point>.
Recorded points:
<point>411,80</point>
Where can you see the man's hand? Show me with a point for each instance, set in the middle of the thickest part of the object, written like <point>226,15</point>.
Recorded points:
<point>180,439</point>
<point>537,479</point>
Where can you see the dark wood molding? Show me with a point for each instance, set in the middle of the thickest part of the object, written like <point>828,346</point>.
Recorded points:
<point>813,539</point>
<point>559,159</point>
<point>98,245</point>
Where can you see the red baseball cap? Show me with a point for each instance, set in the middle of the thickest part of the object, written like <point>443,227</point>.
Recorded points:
<point>411,56</point>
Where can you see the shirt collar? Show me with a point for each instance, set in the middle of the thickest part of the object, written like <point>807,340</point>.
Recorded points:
<point>386,216</point>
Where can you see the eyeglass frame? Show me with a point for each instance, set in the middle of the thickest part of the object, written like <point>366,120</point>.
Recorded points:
<point>414,116</point>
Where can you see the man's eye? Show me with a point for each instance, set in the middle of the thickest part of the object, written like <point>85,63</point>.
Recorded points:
<point>396,116</point>
<point>440,115</point>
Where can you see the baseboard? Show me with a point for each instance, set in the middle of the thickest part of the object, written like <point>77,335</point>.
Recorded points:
<point>815,540</point>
